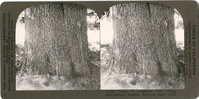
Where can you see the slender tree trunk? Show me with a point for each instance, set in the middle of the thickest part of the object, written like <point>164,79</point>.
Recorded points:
<point>56,40</point>
<point>144,40</point>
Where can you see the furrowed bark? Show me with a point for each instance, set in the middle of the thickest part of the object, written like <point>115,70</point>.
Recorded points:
<point>144,40</point>
<point>56,40</point>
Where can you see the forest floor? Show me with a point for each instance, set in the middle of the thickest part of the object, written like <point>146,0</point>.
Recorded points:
<point>133,81</point>
<point>45,82</point>
<point>49,82</point>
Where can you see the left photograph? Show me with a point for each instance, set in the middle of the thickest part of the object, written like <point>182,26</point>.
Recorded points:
<point>57,48</point>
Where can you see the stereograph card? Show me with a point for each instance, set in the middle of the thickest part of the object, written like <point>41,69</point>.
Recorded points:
<point>99,49</point>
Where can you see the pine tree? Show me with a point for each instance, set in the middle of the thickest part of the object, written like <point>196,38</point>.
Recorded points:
<point>56,40</point>
<point>144,40</point>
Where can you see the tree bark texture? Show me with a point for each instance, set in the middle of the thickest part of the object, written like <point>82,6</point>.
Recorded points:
<point>56,39</point>
<point>144,40</point>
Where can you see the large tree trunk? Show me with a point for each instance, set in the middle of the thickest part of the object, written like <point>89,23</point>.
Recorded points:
<point>56,40</point>
<point>144,40</point>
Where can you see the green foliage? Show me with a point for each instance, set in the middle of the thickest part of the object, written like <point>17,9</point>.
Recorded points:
<point>92,15</point>
<point>106,52</point>
<point>94,55</point>
<point>180,61</point>
<point>107,13</point>
<point>22,20</point>
<point>19,59</point>
<point>180,25</point>
<point>108,47</point>
<point>95,25</point>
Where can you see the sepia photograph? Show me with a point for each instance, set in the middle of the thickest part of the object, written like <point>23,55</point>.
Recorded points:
<point>57,48</point>
<point>142,47</point>
<point>99,49</point>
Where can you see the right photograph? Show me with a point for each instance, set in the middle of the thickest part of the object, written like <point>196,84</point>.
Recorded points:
<point>142,47</point>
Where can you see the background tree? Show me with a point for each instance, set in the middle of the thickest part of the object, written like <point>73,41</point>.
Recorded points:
<point>56,40</point>
<point>144,40</point>
<point>93,24</point>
